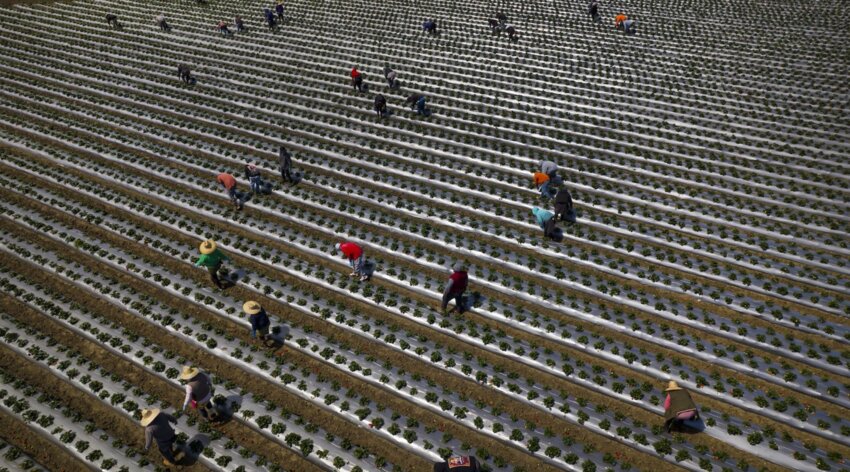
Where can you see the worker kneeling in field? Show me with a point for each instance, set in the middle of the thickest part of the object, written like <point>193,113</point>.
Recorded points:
<point>199,391</point>
<point>458,464</point>
<point>157,429</point>
<point>678,406</point>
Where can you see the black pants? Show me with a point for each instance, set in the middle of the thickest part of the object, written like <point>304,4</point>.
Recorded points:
<point>286,174</point>
<point>165,448</point>
<point>214,275</point>
<point>458,298</point>
<point>164,26</point>
<point>358,84</point>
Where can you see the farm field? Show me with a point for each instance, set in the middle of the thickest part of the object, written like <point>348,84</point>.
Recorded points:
<point>709,166</point>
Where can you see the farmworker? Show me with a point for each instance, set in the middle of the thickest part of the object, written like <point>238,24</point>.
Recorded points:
<point>542,183</point>
<point>222,28</point>
<point>252,173</point>
<point>259,319</point>
<point>285,165</point>
<point>212,258</point>
<point>199,390</point>
<point>503,19</point>
<point>420,106</point>
<point>619,19</point>
<point>390,75</point>
<point>549,168</point>
<point>413,100</point>
<point>630,26</point>
<point>678,406</point>
<point>430,26</point>
<point>564,206</point>
<point>112,21</point>
<point>279,9</point>
<point>269,18</point>
<point>494,24</point>
<point>546,221</point>
<point>593,9</point>
<point>229,183</point>
<point>456,463</point>
<point>185,73</point>
<point>157,429</point>
<point>357,79</point>
<point>512,34</point>
<point>455,288</point>
<point>240,26</point>
<point>356,259</point>
<point>180,69</point>
<point>163,25</point>
<point>380,105</point>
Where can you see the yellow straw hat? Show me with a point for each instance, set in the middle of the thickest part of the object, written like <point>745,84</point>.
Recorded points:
<point>672,385</point>
<point>149,415</point>
<point>251,307</point>
<point>188,373</point>
<point>207,247</point>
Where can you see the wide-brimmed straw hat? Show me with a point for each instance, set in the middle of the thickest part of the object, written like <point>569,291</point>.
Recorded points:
<point>188,373</point>
<point>207,247</point>
<point>459,267</point>
<point>252,308</point>
<point>337,246</point>
<point>672,385</point>
<point>149,415</point>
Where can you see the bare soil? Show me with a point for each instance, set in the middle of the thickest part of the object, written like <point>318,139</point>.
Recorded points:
<point>43,450</point>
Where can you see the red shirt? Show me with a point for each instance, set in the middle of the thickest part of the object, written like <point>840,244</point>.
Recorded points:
<point>227,180</point>
<point>351,251</point>
<point>461,280</point>
<point>354,73</point>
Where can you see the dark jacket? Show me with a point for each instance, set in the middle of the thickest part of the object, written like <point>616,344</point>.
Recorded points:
<point>680,400</point>
<point>380,102</point>
<point>251,173</point>
<point>201,386</point>
<point>259,321</point>
<point>563,201</point>
<point>159,430</point>
<point>458,464</point>
<point>285,159</point>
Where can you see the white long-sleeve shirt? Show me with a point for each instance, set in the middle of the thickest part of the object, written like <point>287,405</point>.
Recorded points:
<point>189,397</point>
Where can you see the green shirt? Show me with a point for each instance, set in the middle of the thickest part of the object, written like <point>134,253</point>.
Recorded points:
<point>212,259</point>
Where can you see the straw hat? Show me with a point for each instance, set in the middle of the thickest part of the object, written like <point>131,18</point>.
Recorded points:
<point>672,385</point>
<point>338,246</point>
<point>207,247</point>
<point>251,307</point>
<point>459,267</point>
<point>149,415</point>
<point>188,372</point>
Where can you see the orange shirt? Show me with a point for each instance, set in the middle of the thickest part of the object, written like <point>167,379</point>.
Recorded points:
<point>227,180</point>
<point>620,18</point>
<point>540,178</point>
